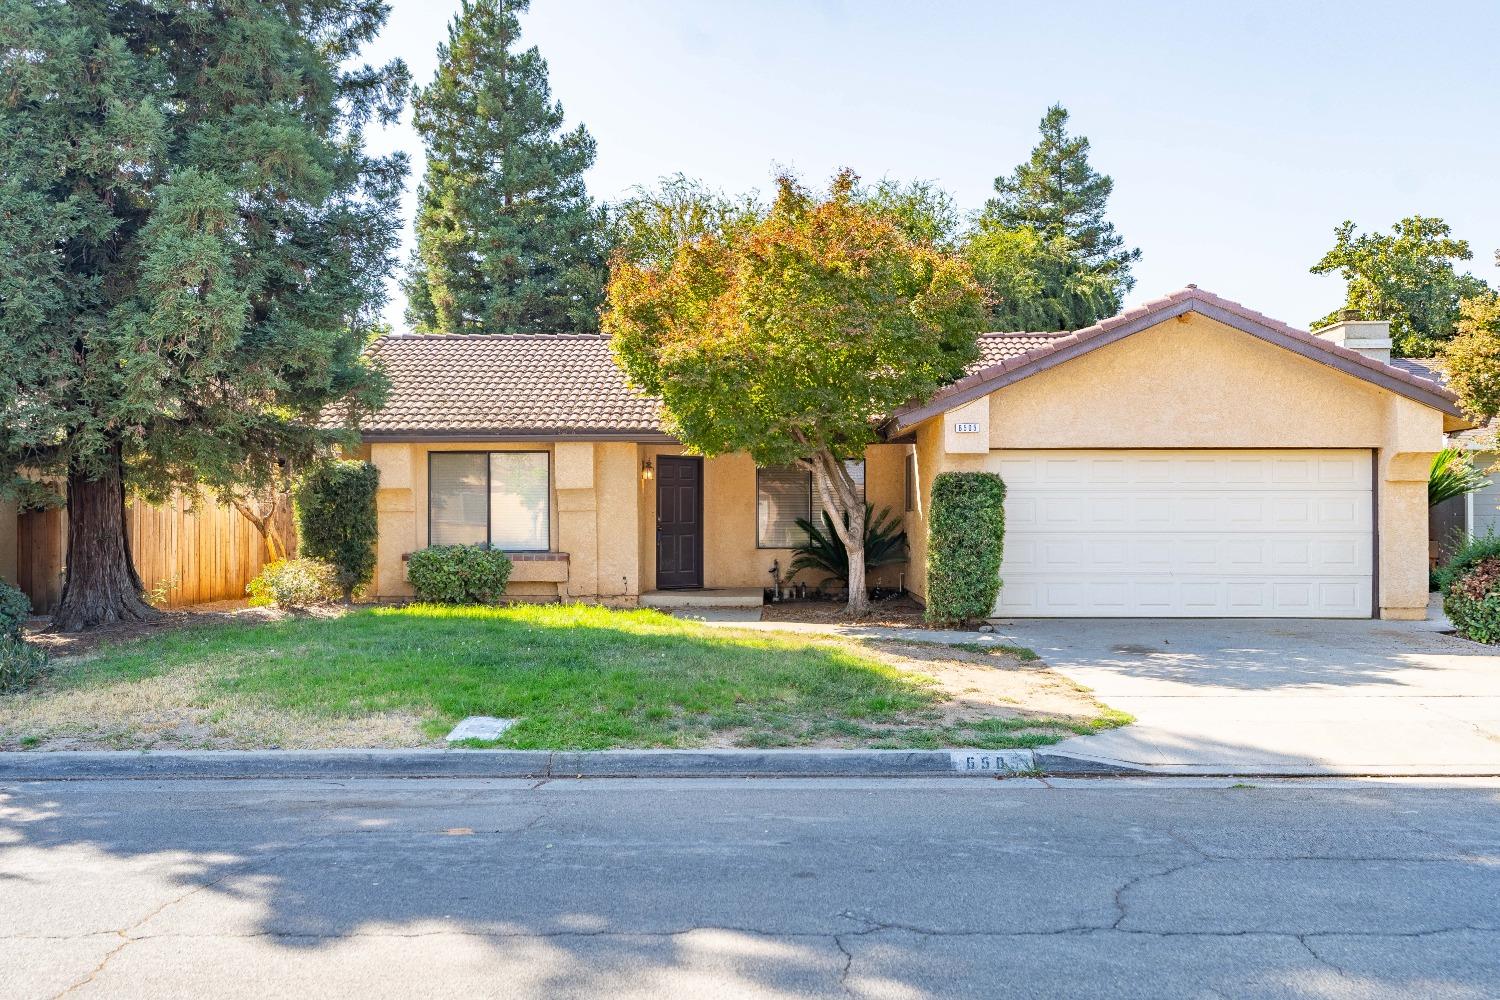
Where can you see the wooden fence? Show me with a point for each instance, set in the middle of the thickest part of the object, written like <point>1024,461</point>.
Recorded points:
<point>184,556</point>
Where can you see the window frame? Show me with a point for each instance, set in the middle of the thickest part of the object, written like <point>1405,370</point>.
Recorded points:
<point>909,475</point>
<point>489,468</point>
<point>814,506</point>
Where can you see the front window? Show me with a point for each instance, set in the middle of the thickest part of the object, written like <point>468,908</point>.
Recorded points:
<point>497,498</point>
<point>783,494</point>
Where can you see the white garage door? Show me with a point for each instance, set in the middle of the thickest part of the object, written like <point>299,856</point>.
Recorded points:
<point>1186,534</point>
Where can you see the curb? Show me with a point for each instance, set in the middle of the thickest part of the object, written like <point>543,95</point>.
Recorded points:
<point>84,765</point>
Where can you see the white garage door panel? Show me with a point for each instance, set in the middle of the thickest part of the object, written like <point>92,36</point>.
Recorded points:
<point>1187,533</point>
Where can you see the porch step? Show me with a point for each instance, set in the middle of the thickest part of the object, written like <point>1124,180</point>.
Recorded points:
<point>729,597</point>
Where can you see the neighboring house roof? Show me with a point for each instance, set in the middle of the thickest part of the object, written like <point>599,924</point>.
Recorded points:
<point>508,386</point>
<point>1481,438</point>
<point>1190,299</point>
<point>1428,368</point>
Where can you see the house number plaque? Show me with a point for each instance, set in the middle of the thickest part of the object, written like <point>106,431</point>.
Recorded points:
<point>963,428</point>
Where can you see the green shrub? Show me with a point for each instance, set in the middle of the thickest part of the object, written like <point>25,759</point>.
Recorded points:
<point>459,574</point>
<point>294,583</point>
<point>1470,551</point>
<point>15,606</point>
<point>21,664</point>
<point>335,504</point>
<point>1472,601</point>
<point>966,537</point>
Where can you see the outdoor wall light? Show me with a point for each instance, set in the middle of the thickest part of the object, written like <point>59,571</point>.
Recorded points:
<point>647,472</point>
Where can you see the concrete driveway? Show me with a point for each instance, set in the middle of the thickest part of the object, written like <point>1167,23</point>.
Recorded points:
<point>1292,696</point>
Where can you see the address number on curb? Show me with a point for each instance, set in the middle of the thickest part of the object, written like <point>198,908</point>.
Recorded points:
<point>994,763</point>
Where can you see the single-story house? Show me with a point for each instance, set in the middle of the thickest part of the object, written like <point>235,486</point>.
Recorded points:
<point>1190,457</point>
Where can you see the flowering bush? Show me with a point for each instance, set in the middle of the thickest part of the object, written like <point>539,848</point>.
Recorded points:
<point>295,583</point>
<point>1472,601</point>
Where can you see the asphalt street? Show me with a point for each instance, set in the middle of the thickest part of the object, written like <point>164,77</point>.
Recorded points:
<point>895,888</point>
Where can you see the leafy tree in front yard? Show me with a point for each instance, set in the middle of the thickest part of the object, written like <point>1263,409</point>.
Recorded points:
<point>649,227</point>
<point>790,339</point>
<point>1472,357</point>
<point>193,249</point>
<point>1059,196</point>
<point>1406,276</point>
<point>508,240</point>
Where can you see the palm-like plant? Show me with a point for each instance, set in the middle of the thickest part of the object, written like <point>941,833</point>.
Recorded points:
<point>885,543</point>
<point>1453,475</point>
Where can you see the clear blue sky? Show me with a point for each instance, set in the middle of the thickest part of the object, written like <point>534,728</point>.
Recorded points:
<point>1238,135</point>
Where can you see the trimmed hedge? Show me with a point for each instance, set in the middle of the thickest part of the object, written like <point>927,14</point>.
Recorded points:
<point>335,504</point>
<point>1470,584</point>
<point>965,539</point>
<point>15,606</point>
<point>459,574</point>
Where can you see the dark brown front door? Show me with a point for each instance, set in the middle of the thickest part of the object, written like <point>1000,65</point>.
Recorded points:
<point>679,522</point>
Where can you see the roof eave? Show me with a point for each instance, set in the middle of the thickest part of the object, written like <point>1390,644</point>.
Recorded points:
<point>1013,370</point>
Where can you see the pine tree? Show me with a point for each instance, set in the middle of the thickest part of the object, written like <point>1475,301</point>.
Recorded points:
<point>508,240</point>
<point>1059,195</point>
<point>192,254</point>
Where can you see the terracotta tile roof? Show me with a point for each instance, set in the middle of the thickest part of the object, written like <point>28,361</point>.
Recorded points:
<point>997,347</point>
<point>1189,299</point>
<point>1428,368</point>
<point>567,384</point>
<point>506,386</point>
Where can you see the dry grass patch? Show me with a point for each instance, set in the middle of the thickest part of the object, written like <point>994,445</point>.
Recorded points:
<point>577,677</point>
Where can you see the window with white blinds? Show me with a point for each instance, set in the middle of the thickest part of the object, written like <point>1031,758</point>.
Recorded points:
<point>785,493</point>
<point>518,501</point>
<point>458,489</point>
<point>499,498</point>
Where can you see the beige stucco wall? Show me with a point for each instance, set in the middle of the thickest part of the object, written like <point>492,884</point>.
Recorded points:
<point>730,555</point>
<point>604,518</point>
<point>1196,383</point>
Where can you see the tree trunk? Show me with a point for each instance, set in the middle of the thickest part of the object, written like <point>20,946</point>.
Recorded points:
<point>841,503</point>
<point>102,585</point>
<point>265,522</point>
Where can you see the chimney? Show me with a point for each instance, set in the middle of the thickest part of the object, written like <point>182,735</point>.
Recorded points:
<point>1370,337</point>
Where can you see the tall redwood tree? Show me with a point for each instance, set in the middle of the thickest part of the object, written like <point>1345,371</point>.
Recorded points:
<point>193,248</point>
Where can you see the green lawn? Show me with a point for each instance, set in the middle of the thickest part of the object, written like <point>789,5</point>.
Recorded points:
<point>576,676</point>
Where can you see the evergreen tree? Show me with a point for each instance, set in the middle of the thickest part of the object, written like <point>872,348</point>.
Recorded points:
<point>192,253</point>
<point>1059,195</point>
<point>508,240</point>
